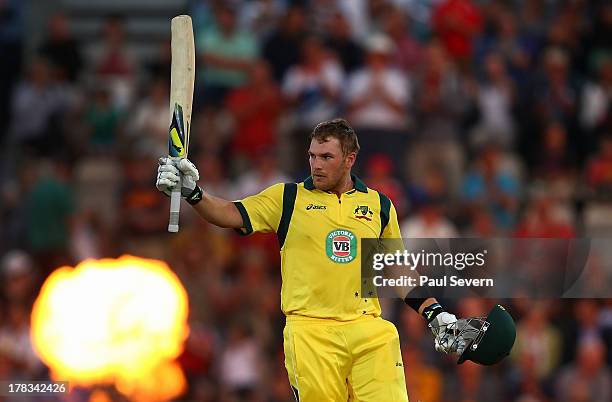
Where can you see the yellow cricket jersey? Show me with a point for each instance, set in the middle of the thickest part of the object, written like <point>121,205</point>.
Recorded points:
<point>320,246</point>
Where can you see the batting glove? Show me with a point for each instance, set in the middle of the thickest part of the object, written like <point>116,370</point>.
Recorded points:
<point>168,173</point>
<point>444,328</point>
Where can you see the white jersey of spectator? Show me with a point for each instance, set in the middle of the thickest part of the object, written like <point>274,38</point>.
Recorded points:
<point>150,121</point>
<point>415,227</point>
<point>252,182</point>
<point>240,365</point>
<point>595,102</point>
<point>374,112</point>
<point>496,121</point>
<point>309,88</point>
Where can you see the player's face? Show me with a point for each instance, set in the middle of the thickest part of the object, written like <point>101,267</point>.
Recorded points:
<point>328,165</point>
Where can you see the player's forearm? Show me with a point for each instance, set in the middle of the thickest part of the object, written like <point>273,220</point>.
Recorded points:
<point>219,212</point>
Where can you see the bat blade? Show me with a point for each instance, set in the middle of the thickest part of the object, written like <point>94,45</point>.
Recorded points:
<point>182,81</point>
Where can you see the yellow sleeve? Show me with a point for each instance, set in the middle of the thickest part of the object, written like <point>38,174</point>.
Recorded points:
<point>391,233</point>
<point>261,212</point>
<point>392,230</point>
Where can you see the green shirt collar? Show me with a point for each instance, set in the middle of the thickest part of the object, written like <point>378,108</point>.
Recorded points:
<point>359,185</point>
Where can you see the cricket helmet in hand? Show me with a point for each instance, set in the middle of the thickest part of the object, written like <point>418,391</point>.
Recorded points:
<point>488,340</point>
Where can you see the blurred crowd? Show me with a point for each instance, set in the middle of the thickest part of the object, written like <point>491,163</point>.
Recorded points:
<point>477,118</point>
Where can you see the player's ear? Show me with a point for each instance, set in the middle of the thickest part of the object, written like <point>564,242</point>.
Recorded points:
<point>350,159</point>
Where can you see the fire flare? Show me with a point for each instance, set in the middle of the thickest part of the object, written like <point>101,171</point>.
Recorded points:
<point>114,321</point>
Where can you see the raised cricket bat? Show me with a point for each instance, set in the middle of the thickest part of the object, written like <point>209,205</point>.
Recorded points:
<point>181,96</point>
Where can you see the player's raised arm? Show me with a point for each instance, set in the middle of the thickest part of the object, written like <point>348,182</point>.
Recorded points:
<point>215,210</point>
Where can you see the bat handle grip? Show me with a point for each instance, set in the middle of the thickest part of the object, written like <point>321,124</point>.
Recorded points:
<point>175,207</point>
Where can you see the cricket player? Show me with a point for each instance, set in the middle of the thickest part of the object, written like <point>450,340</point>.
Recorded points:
<point>337,346</point>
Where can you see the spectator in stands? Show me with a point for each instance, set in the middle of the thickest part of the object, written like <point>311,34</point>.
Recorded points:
<point>556,96</point>
<point>39,132</point>
<point>339,39</point>
<point>19,278</point>
<point>376,13</point>
<point>546,217</point>
<point>261,16</point>
<point>539,339</point>
<point>50,210</point>
<point>380,172</point>
<point>516,48</point>
<point>523,383</point>
<point>588,379</point>
<point>16,344</point>
<point>144,217</point>
<point>377,98</point>
<point>264,173</point>
<point>491,186</point>
<point>596,105</point>
<point>567,29</point>
<point>227,54</point>
<point>313,86</point>
<point>103,121</point>
<point>240,363</point>
<point>321,14</point>
<point>114,64</point>
<point>553,159</point>
<point>472,382</point>
<point>599,170</point>
<point>282,48</point>
<point>495,102</point>
<point>581,326</point>
<point>378,95</point>
<point>441,101</point>
<point>480,223</point>
<point>429,220</point>
<point>215,175</point>
<point>255,108</point>
<point>149,130</point>
<point>62,49</point>
<point>408,54</point>
<point>456,23</point>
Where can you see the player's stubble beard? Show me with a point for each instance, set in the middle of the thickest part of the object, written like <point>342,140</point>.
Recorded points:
<point>335,181</point>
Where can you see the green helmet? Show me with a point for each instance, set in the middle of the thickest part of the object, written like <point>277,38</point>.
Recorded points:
<point>489,339</point>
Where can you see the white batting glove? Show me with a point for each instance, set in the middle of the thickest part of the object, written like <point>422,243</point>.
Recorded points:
<point>446,335</point>
<point>168,176</point>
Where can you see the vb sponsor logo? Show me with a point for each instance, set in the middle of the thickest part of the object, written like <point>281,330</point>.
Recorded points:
<point>341,246</point>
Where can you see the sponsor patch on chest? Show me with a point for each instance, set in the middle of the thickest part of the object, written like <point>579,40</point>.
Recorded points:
<point>341,246</point>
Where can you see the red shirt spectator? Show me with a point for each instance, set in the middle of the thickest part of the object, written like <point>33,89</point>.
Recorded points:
<point>545,219</point>
<point>599,171</point>
<point>255,108</point>
<point>456,22</point>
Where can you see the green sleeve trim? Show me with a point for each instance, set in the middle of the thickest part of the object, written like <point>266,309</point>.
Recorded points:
<point>246,221</point>
<point>289,195</point>
<point>385,211</point>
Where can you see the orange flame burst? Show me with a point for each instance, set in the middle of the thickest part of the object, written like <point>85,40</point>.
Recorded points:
<point>114,321</point>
